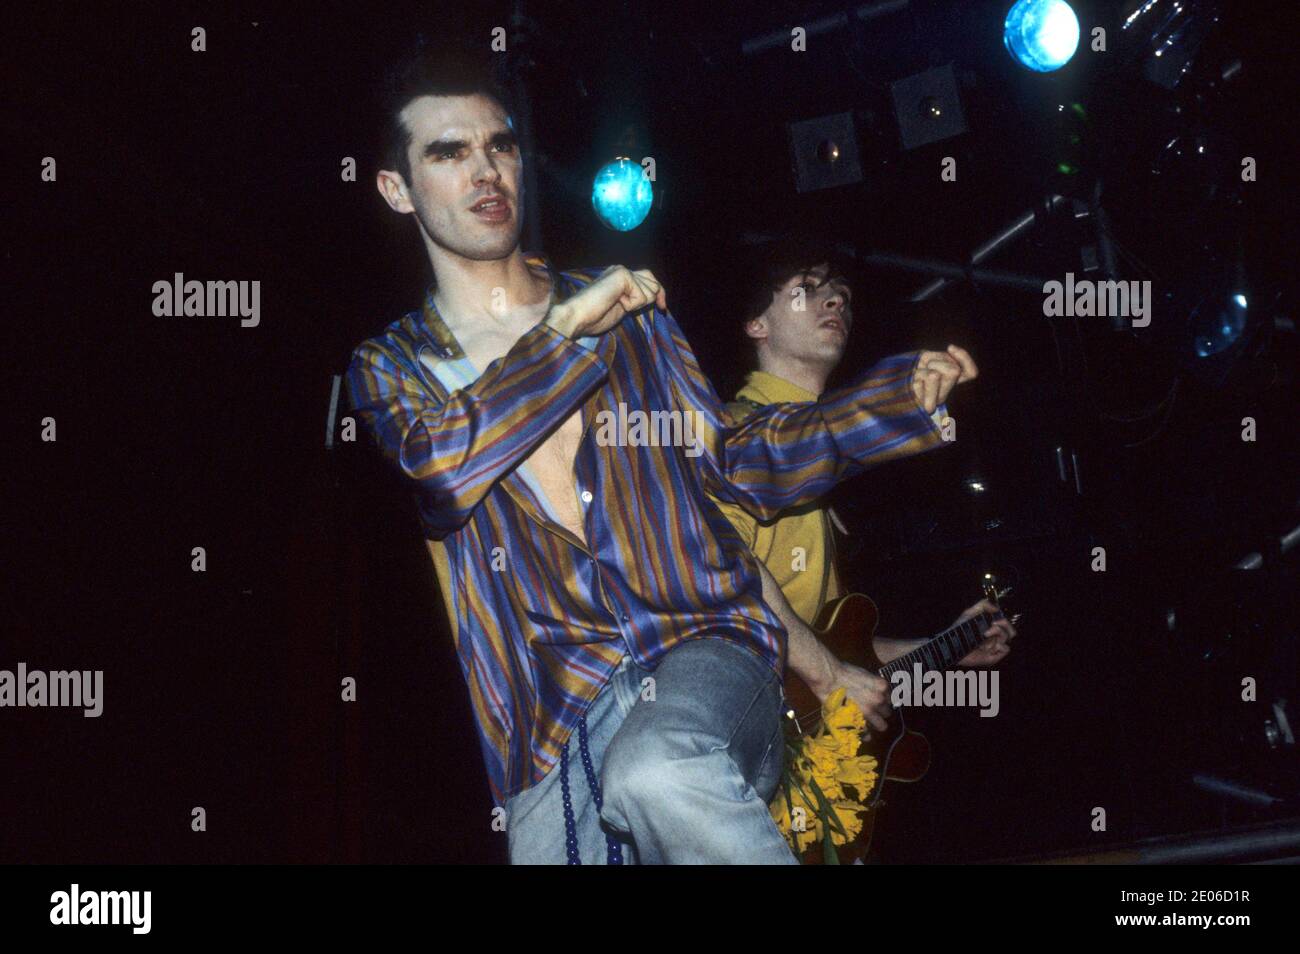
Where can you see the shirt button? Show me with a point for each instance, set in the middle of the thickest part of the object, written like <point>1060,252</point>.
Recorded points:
<point>626,617</point>
<point>586,496</point>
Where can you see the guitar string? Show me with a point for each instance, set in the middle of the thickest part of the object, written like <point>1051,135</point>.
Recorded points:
<point>965,642</point>
<point>978,625</point>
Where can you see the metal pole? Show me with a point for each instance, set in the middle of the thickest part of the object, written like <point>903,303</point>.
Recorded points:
<point>1009,232</point>
<point>778,39</point>
<point>953,272</point>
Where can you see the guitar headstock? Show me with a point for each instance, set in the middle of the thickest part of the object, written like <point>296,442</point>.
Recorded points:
<point>996,595</point>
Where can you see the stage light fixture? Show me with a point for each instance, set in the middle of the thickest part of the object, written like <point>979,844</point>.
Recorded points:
<point>1041,35</point>
<point>824,152</point>
<point>621,194</point>
<point>1217,324</point>
<point>928,107</point>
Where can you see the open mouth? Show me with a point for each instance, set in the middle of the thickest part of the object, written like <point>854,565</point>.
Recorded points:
<point>492,207</point>
<point>837,324</point>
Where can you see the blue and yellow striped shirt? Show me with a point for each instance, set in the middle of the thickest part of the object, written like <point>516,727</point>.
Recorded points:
<point>540,618</point>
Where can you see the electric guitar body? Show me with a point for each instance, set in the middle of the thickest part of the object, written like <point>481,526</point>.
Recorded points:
<point>846,627</point>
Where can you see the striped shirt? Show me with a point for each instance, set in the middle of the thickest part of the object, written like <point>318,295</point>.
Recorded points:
<point>540,618</point>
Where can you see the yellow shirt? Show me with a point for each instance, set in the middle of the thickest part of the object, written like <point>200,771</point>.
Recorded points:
<point>798,547</point>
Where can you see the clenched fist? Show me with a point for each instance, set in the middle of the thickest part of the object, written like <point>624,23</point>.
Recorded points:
<point>601,305</point>
<point>938,372</point>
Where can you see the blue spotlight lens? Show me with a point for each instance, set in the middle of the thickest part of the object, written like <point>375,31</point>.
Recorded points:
<point>1041,34</point>
<point>621,195</point>
<point>1217,331</point>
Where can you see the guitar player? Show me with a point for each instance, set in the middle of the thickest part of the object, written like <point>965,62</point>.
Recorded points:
<point>797,317</point>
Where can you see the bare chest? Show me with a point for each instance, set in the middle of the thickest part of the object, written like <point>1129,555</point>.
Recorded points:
<point>551,462</point>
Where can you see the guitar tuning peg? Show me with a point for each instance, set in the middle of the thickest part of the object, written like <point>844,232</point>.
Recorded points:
<point>1016,617</point>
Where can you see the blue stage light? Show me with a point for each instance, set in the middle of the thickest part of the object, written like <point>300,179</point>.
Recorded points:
<point>1041,34</point>
<point>621,194</point>
<point>1217,329</point>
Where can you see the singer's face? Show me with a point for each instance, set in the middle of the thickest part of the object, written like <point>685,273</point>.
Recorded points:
<point>463,152</point>
<point>810,318</point>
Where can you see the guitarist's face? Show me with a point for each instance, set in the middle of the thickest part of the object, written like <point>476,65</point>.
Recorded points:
<point>809,319</point>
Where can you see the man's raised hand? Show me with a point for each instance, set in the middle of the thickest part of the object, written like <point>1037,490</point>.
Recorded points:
<point>938,372</point>
<point>600,306</point>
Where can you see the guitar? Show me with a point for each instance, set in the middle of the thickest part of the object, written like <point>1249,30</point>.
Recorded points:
<point>846,627</point>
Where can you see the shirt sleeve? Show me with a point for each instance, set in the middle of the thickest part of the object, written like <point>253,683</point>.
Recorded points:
<point>456,449</point>
<point>788,455</point>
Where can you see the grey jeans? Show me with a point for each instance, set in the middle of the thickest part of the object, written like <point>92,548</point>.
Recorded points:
<point>687,757</point>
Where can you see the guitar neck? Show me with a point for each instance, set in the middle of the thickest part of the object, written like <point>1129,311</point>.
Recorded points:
<point>944,650</point>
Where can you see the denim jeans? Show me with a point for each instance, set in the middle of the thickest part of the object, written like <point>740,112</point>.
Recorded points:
<point>686,766</point>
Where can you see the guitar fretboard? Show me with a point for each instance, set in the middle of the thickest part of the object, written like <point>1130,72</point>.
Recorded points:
<point>944,650</point>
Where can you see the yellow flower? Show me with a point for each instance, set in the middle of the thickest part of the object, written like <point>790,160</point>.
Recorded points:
<point>827,761</point>
<point>849,816</point>
<point>834,700</point>
<point>859,772</point>
<point>809,830</point>
<point>842,717</point>
<point>823,755</point>
<point>806,839</point>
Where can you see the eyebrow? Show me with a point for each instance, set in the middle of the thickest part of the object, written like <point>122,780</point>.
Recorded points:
<point>834,280</point>
<point>455,145</point>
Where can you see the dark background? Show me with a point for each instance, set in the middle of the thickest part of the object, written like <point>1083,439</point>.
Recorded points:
<point>222,688</point>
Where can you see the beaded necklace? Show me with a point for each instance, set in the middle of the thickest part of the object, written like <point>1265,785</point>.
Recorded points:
<point>614,850</point>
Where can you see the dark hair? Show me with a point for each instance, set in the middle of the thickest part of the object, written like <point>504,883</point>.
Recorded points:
<point>772,265</point>
<point>455,68</point>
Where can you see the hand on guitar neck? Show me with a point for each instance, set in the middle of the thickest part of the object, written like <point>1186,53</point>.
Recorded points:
<point>823,671</point>
<point>870,691</point>
<point>997,638</point>
<point>842,651</point>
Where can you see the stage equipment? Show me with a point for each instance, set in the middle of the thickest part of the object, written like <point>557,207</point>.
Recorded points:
<point>779,39</point>
<point>928,107</point>
<point>1165,36</point>
<point>622,194</point>
<point>1041,35</point>
<point>824,152</point>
